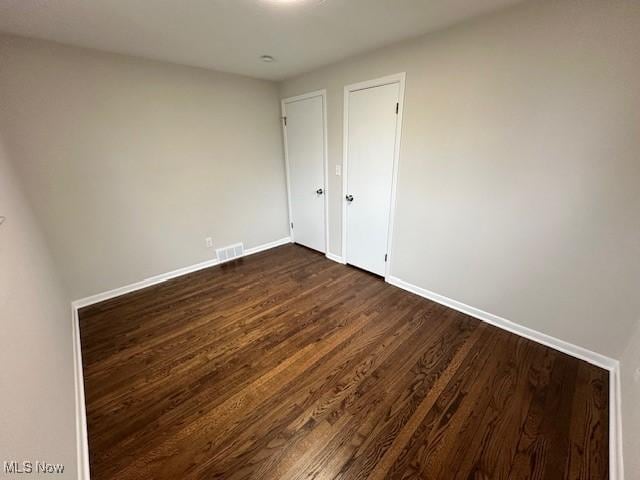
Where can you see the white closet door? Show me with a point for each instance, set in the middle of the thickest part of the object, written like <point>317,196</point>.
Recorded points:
<point>305,157</point>
<point>372,118</point>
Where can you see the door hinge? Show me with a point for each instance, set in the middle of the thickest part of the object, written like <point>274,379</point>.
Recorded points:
<point>284,119</point>
<point>291,225</point>
<point>397,108</point>
<point>385,257</point>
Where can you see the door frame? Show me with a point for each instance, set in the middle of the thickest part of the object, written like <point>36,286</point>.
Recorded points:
<point>325,144</point>
<point>399,78</point>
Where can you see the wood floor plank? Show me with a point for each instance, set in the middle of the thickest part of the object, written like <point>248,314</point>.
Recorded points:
<point>356,390</point>
<point>285,365</point>
<point>542,428</point>
<point>589,426</point>
<point>422,385</point>
<point>327,401</point>
<point>418,446</point>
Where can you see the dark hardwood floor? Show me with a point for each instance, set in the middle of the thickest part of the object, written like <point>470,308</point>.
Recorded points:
<point>285,365</point>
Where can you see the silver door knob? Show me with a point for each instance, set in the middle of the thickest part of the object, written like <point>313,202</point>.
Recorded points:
<point>319,191</point>
<point>349,198</point>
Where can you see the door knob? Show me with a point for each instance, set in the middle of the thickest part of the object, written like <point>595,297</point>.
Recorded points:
<point>319,191</point>
<point>349,198</point>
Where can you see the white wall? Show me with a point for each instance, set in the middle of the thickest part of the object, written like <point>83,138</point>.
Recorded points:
<point>130,164</point>
<point>519,164</point>
<point>630,364</point>
<point>37,420</point>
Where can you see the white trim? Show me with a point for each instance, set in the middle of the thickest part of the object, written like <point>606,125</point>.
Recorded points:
<point>336,258</point>
<point>305,96</point>
<point>326,171</point>
<point>377,82</point>
<point>616,466</point>
<point>539,337</point>
<point>82,442</point>
<point>325,158</point>
<point>345,152</point>
<point>399,78</point>
<point>286,166</point>
<point>147,282</point>
<point>616,463</point>
<point>394,181</point>
<point>163,277</point>
<point>267,246</point>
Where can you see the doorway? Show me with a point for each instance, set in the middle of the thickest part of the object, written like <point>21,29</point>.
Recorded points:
<point>372,128</point>
<point>305,142</point>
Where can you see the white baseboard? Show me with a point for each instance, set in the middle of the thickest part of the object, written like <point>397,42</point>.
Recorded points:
<point>594,358</point>
<point>82,442</point>
<point>599,360</point>
<point>615,426</point>
<point>163,277</point>
<point>147,282</point>
<point>336,258</point>
<point>267,246</point>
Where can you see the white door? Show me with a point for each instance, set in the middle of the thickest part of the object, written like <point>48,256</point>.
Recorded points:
<point>304,137</point>
<point>372,118</point>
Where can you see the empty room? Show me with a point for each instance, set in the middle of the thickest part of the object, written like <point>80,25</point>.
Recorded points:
<point>320,239</point>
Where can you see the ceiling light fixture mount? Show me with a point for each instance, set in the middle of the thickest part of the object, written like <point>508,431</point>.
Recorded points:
<point>295,2</point>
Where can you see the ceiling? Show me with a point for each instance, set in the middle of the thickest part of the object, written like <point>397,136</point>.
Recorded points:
<point>231,35</point>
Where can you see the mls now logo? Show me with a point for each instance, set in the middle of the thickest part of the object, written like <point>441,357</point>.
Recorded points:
<point>33,467</point>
